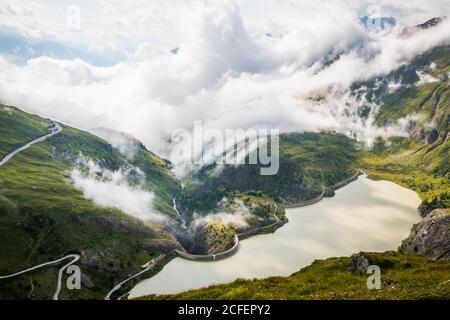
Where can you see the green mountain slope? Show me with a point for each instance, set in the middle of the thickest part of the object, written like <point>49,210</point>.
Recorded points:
<point>43,216</point>
<point>422,161</point>
<point>308,162</point>
<point>19,128</point>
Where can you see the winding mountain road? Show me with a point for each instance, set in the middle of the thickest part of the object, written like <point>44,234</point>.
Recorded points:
<point>74,257</point>
<point>55,129</point>
<point>149,265</point>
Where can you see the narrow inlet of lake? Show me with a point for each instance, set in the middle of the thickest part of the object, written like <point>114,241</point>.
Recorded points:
<point>363,216</point>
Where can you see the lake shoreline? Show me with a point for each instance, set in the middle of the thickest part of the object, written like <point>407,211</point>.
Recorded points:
<point>272,228</point>
<point>409,193</point>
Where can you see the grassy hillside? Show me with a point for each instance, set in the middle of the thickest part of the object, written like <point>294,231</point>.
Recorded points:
<point>19,127</point>
<point>402,277</point>
<point>308,162</point>
<point>416,166</point>
<point>68,145</point>
<point>421,162</point>
<point>42,215</point>
<point>400,94</point>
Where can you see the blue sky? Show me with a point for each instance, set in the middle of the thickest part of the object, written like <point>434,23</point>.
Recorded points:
<point>21,49</point>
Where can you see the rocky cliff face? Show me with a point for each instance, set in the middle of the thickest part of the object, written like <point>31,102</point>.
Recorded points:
<point>431,237</point>
<point>428,135</point>
<point>212,238</point>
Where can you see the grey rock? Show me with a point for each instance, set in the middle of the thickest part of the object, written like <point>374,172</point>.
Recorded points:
<point>329,193</point>
<point>431,237</point>
<point>432,136</point>
<point>359,263</point>
<point>429,135</point>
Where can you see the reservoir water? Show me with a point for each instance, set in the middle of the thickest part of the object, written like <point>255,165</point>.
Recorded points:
<point>363,216</point>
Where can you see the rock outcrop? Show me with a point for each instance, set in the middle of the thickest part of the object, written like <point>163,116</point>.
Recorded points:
<point>359,263</point>
<point>426,25</point>
<point>431,237</point>
<point>428,135</point>
<point>212,238</point>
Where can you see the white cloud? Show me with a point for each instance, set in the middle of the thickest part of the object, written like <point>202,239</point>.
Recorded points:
<point>111,189</point>
<point>238,217</point>
<point>126,144</point>
<point>425,78</point>
<point>123,26</point>
<point>223,218</point>
<point>227,73</point>
<point>393,86</point>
